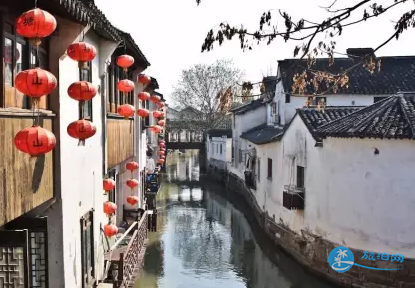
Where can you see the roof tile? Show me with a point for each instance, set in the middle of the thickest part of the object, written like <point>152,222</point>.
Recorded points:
<point>393,117</point>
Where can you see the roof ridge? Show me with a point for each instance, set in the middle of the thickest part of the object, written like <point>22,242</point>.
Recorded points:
<point>361,111</point>
<point>403,104</point>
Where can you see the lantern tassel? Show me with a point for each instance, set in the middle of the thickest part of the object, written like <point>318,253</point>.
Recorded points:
<point>81,142</point>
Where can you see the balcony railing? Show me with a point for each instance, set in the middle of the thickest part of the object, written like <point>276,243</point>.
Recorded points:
<point>293,197</point>
<point>294,189</point>
<point>125,261</point>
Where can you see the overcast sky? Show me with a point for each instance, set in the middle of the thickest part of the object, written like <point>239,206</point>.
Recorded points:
<point>171,32</point>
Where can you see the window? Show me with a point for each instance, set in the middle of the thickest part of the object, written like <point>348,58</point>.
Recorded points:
<point>240,156</point>
<point>287,98</point>
<point>217,148</point>
<point>85,109</point>
<point>259,170</point>
<point>320,100</point>
<point>300,177</point>
<point>273,108</point>
<point>115,97</point>
<point>15,59</point>
<point>87,249</point>
<point>377,99</point>
<point>112,194</point>
<point>269,175</point>
<point>213,148</point>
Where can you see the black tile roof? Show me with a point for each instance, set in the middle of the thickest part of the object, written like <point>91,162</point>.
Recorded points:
<point>86,12</point>
<point>254,104</point>
<point>263,134</point>
<point>314,118</point>
<point>393,117</point>
<point>270,83</point>
<point>397,74</point>
<point>220,133</point>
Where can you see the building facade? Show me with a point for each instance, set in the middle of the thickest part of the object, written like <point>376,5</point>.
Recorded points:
<point>52,220</point>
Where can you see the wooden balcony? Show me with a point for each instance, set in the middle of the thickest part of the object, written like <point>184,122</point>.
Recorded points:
<point>124,261</point>
<point>293,197</point>
<point>25,182</point>
<point>120,141</point>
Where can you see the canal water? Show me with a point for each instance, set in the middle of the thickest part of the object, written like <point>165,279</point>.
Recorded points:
<point>202,241</point>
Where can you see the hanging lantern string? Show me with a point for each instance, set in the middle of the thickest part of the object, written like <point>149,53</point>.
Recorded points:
<point>35,3</point>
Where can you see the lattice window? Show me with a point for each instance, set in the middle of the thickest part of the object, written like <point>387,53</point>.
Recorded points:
<point>38,259</point>
<point>12,267</point>
<point>87,246</point>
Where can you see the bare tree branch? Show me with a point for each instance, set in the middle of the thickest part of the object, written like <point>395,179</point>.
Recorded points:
<point>207,91</point>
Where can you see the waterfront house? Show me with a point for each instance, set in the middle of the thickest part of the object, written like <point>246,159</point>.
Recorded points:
<point>219,149</point>
<point>51,216</point>
<point>392,74</point>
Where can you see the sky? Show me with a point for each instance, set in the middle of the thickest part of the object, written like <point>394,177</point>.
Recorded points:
<point>170,33</point>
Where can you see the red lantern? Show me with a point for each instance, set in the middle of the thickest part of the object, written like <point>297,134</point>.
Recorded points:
<point>143,96</point>
<point>160,161</point>
<point>132,200</point>
<point>160,104</point>
<point>82,91</point>
<point>35,24</point>
<point>110,230</point>
<point>160,123</point>
<point>162,157</point>
<point>35,141</point>
<point>126,110</point>
<point>157,114</point>
<point>162,145</point>
<point>144,79</point>
<point>155,99</point>
<point>132,183</point>
<point>125,85</point>
<point>108,184</point>
<point>35,82</point>
<point>109,208</point>
<point>155,129</point>
<point>143,112</point>
<point>161,153</point>
<point>82,52</point>
<point>125,61</point>
<point>81,130</point>
<point>131,166</point>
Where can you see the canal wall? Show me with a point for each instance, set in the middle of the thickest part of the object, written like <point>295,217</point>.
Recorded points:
<point>308,249</point>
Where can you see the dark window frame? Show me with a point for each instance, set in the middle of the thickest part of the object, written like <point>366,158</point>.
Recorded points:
<point>8,30</point>
<point>269,170</point>
<point>112,194</point>
<point>259,169</point>
<point>88,272</point>
<point>85,109</point>
<point>300,176</point>
<point>287,98</point>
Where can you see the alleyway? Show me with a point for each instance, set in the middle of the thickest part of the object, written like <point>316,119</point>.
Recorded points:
<point>204,242</point>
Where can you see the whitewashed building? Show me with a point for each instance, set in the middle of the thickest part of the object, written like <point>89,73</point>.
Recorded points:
<point>53,222</point>
<point>219,148</point>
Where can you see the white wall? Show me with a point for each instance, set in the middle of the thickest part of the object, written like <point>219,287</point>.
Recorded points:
<point>242,123</point>
<point>352,195</point>
<point>266,193</point>
<point>364,200</point>
<point>81,173</point>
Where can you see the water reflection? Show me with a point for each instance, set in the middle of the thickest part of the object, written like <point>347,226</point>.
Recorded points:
<point>203,241</point>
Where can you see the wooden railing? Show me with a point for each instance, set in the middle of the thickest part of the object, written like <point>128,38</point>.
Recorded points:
<point>132,258</point>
